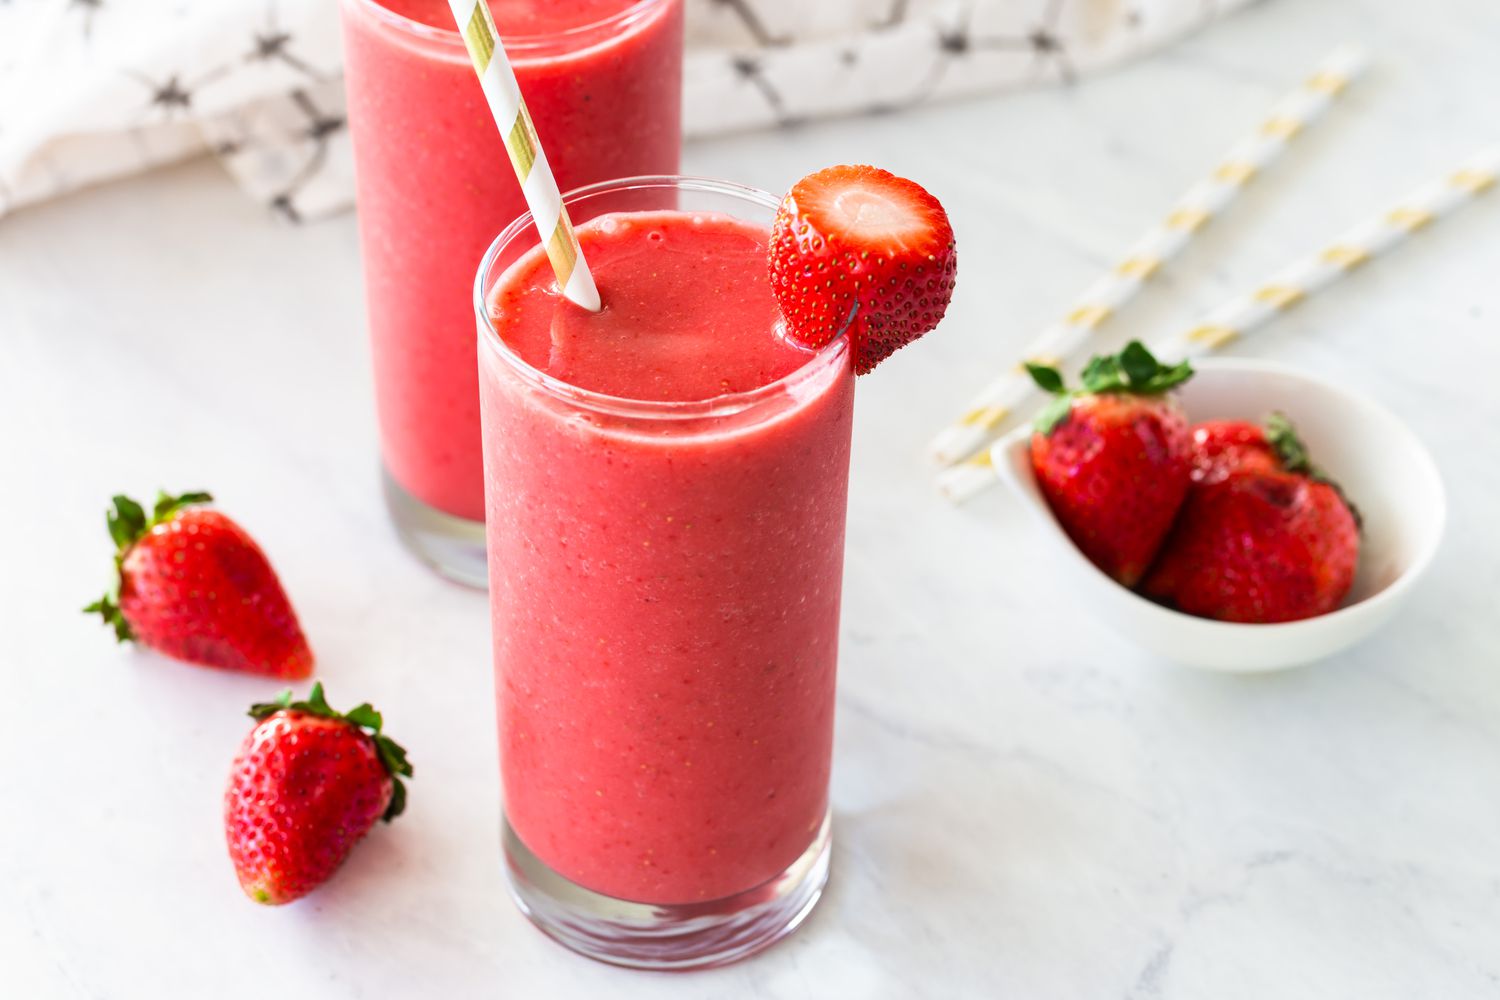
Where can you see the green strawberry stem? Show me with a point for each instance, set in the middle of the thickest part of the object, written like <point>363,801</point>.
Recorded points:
<point>1289,447</point>
<point>128,523</point>
<point>108,609</point>
<point>1295,457</point>
<point>1134,370</point>
<point>362,716</point>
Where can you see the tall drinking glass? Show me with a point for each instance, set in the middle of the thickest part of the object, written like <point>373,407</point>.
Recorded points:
<point>603,80</point>
<point>666,489</point>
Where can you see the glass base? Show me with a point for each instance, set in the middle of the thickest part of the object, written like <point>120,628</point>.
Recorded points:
<point>453,546</point>
<point>666,937</point>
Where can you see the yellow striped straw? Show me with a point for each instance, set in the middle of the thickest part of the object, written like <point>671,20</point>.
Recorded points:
<point>1287,287</point>
<point>498,81</point>
<point>998,402</point>
<point>1316,271</point>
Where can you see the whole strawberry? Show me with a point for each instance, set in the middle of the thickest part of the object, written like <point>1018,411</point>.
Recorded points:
<point>860,250</point>
<point>1263,536</point>
<point>1113,459</point>
<point>191,583</point>
<point>307,784</point>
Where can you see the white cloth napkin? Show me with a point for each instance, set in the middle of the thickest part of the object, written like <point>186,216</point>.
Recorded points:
<point>95,89</point>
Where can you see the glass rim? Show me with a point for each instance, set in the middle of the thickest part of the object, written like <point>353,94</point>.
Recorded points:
<point>517,45</point>
<point>726,405</point>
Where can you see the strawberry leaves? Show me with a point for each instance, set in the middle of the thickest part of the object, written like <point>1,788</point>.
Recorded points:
<point>1049,379</point>
<point>1056,411</point>
<point>108,608</point>
<point>364,717</point>
<point>1295,458</point>
<point>1289,447</point>
<point>128,523</point>
<point>1134,370</point>
<point>167,505</point>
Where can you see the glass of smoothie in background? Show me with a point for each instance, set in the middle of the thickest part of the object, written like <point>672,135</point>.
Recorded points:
<point>604,81</point>
<point>667,485</point>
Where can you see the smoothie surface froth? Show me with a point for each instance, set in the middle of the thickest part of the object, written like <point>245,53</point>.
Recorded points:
<point>517,17</point>
<point>688,311</point>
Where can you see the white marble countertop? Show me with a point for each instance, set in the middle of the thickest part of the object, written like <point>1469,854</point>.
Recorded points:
<point>1025,805</point>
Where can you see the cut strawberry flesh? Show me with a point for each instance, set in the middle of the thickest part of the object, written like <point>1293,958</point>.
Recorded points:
<point>866,215</point>
<point>861,243</point>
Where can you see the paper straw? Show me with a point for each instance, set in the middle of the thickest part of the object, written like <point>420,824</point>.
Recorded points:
<point>971,477</point>
<point>1287,287</point>
<point>1296,282</point>
<point>998,401</point>
<point>543,197</point>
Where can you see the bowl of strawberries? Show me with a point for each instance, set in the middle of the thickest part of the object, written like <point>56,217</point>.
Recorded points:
<point>1238,516</point>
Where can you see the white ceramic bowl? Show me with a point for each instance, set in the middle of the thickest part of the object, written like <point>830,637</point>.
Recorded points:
<point>1382,466</point>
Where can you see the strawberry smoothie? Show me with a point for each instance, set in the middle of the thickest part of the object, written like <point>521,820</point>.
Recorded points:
<point>667,485</point>
<point>603,81</point>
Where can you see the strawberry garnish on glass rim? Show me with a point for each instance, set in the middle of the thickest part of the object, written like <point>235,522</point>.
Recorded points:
<point>858,250</point>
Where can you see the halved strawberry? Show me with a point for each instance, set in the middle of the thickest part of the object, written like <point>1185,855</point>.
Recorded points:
<point>861,250</point>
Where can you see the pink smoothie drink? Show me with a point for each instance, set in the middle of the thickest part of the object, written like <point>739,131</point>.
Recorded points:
<point>603,80</point>
<point>667,486</point>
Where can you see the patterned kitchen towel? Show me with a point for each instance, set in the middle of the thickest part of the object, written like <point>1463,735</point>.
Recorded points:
<point>95,89</point>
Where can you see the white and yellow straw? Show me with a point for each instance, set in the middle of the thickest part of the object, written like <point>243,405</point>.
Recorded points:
<point>498,81</point>
<point>1296,282</point>
<point>997,403</point>
<point>1288,286</point>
